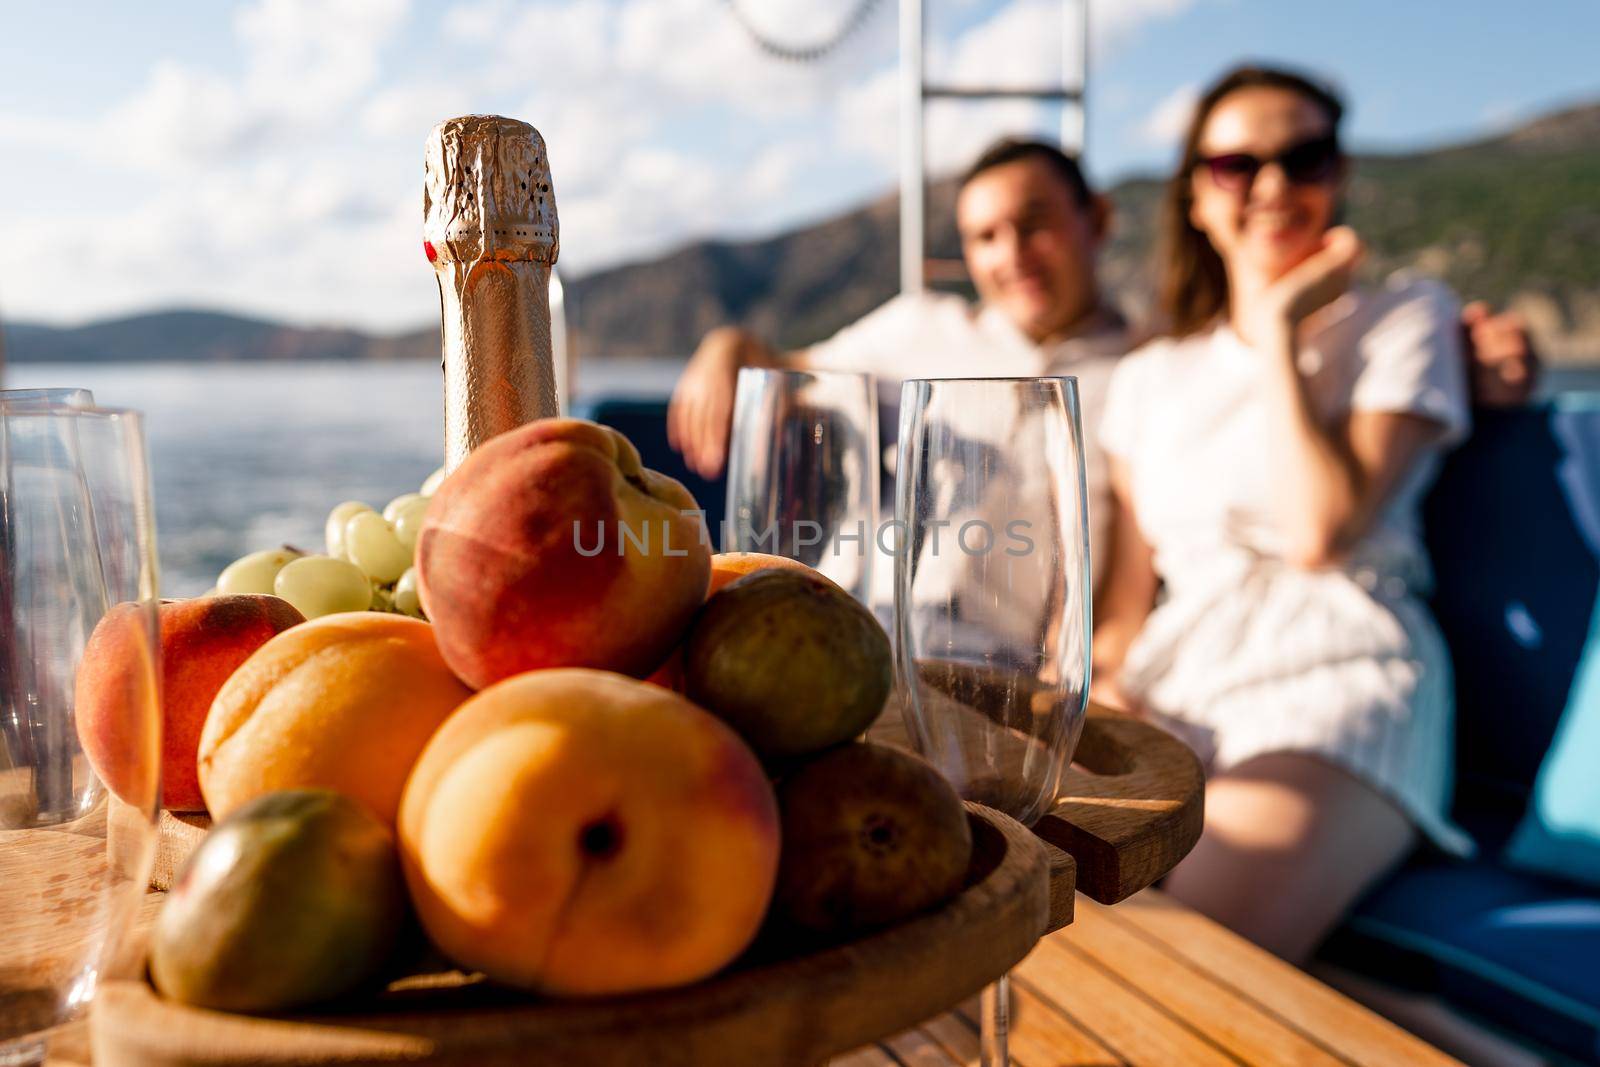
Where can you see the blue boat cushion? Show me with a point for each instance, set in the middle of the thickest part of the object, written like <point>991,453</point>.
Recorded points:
<point>1516,580</point>
<point>1516,950</point>
<point>643,420</point>
<point>1560,834</point>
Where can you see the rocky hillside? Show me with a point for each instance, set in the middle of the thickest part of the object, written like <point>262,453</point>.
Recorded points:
<point>1514,220</point>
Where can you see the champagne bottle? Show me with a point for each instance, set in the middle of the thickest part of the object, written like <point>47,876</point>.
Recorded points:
<point>489,229</point>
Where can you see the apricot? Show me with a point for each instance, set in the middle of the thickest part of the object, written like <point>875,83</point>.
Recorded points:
<point>551,546</point>
<point>345,702</point>
<point>581,832</point>
<point>730,566</point>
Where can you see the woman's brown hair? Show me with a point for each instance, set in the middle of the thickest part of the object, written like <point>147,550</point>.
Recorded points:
<point>1194,284</point>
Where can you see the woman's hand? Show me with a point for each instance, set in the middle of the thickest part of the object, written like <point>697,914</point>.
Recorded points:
<point>1126,596</point>
<point>1105,691</point>
<point>1314,284</point>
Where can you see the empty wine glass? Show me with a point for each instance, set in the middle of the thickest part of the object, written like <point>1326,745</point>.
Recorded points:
<point>803,472</point>
<point>992,594</point>
<point>77,550</point>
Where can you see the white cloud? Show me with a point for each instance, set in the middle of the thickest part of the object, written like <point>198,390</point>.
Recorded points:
<point>1113,24</point>
<point>181,118</point>
<point>282,175</point>
<point>1164,127</point>
<point>309,56</point>
<point>1018,46</point>
<point>304,63</point>
<point>405,113</point>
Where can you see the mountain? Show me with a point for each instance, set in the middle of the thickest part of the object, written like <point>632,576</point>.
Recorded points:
<point>204,336</point>
<point>1513,219</point>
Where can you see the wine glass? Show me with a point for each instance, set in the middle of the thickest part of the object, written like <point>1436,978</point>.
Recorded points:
<point>79,783</point>
<point>803,472</point>
<point>992,595</point>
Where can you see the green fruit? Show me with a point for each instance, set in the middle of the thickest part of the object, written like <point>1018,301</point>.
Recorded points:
<point>790,661</point>
<point>871,835</point>
<point>295,899</point>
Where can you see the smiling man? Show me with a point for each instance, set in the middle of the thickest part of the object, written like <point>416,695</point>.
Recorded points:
<point>1031,229</point>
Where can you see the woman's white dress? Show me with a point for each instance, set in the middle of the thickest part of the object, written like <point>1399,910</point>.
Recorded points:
<point>1246,655</point>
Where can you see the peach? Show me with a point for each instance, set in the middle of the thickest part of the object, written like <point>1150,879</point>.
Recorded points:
<point>725,567</point>
<point>117,703</point>
<point>344,702</point>
<point>202,642</point>
<point>581,832</point>
<point>550,546</point>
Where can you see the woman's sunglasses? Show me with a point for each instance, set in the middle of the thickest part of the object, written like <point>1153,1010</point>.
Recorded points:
<point>1307,163</point>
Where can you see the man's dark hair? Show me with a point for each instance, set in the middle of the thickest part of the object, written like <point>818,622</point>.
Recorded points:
<point>1015,149</point>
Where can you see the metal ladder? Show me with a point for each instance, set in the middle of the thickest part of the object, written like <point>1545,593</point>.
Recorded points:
<point>915,92</point>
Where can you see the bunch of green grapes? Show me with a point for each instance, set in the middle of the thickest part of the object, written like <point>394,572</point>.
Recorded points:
<point>369,565</point>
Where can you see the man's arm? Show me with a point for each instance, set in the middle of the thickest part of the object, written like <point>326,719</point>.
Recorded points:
<point>1503,365</point>
<point>700,414</point>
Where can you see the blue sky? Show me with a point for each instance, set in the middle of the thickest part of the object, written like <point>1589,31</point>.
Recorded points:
<point>265,156</point>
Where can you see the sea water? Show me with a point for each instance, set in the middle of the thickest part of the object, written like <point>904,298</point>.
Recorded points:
<point>251,456</point>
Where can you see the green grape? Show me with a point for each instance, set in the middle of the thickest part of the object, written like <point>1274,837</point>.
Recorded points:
<point>254,573</point>
<point>436,479</point>
<point>370,544</point>
<point>406,601</point>
<point>392,508</point>
<point>405,514</point>
<point>338,518</point>
<point>322,585</point>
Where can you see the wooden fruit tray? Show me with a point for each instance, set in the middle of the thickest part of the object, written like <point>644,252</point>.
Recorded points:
<point>1131,808</point>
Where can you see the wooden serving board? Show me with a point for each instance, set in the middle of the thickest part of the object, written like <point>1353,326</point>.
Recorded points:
<point>1130,808</point>
<point>798,1010</point>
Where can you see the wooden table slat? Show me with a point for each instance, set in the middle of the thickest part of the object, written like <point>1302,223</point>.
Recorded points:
<point>916,1049</point>
<point>871,1056</point>
<point>956,1036</point>
<point>1360,1035</point>
<point>1042,1036</point>
<point>1225,1016</point>
<point>1134,1027</point>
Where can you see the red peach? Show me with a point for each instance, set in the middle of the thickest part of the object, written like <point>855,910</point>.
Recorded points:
<point>203,641</point>
<point>550,546</point>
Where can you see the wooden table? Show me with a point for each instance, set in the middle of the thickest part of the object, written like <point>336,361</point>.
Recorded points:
<point>1145,982</point>
<point>1151,982</point>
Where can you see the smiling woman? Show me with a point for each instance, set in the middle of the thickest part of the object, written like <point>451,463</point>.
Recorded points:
<point>1268,461</point>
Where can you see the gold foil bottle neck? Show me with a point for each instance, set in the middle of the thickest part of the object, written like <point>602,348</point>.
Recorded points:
<point>490,230</point>
<point>488,193</point>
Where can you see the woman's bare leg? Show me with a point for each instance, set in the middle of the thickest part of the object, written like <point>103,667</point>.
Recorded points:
<point>1290,843</point>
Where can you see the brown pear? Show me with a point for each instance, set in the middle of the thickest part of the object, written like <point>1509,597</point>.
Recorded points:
<point>790,661</point>
<point>871,835</point>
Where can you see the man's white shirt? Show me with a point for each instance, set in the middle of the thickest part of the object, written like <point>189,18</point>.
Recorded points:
<point>942,335</point>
